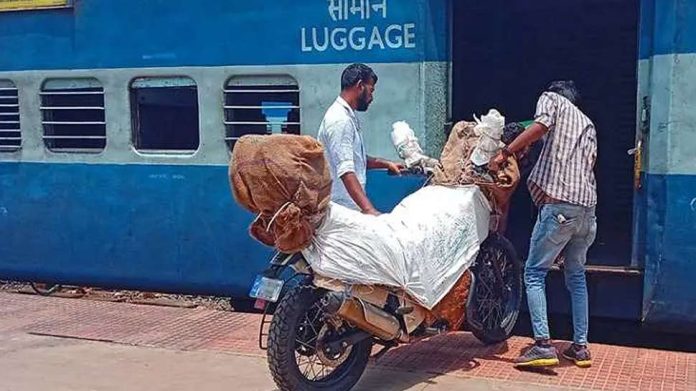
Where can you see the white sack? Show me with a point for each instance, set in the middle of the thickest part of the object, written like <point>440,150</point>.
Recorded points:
<point>406,144</point>
<point>490,129</point>
<point>423,246</point>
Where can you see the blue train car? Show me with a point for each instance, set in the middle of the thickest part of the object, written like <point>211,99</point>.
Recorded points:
<point>117,118</point>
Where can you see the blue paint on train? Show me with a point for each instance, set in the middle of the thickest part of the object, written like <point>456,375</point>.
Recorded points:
<point>667,27</point>
<point>135,33</point>
<point>668,248</point>
<point>170,228</point>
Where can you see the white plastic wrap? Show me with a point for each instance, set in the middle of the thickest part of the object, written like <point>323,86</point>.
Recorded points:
<point>490,129</point>
<point>406,144</point>
<point>423,246</point>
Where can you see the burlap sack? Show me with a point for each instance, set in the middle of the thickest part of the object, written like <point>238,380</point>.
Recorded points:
<point>452,308</point>
<point>285,180</point>
<point>457,169</point>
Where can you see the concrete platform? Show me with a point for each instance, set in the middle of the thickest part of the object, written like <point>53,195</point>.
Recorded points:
<point>60,343</point>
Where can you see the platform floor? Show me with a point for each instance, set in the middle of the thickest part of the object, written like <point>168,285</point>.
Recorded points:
<point>456,355</point>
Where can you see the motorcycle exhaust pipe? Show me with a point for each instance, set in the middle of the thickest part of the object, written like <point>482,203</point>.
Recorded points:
<point>364,316</point>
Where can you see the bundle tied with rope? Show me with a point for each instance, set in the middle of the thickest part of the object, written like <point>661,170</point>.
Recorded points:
<point>285,181</point>
<point>457,169</point>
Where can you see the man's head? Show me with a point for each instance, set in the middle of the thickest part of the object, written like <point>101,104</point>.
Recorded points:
<point>358,84</point>
<point>567,89</point>
<point>511,131</point>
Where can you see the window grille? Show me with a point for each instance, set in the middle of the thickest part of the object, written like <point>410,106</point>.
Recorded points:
<point>73,115</point>
<point>261,106</point>
<point>10,135</point>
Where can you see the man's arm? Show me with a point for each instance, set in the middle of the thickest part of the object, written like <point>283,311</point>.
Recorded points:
<point>377,163</point>
<point>356,192</point>
<point>339,146</point>
<point>532,134</point>
<point>544,119</point>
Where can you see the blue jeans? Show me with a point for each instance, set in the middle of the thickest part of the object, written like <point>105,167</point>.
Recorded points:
<point>571,230</point>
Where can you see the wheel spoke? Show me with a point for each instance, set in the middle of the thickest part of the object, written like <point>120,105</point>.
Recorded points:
<point>489,300</point>
<point>312,361</point>
<point>311,324</point>
<point>304,344</point>
<point>302,361</point>
<point>318,313</point>
<point>312,367</point>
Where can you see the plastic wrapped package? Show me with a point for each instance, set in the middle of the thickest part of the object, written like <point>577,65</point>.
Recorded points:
<point>423,246</point>
<point>489,129</point>
<point>406,144</point>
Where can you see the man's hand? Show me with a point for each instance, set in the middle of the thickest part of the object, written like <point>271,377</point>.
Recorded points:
<point>497,162</point>
<point>395,168</point>
<point>356,192</point>
<point>533,133</point>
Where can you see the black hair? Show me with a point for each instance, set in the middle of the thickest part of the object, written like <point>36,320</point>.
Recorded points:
<point>526,162</point>
<point>567,89</point>
<point>511,131</point>
<point>357,72</point>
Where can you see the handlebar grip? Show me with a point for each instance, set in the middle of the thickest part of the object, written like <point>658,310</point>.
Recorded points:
<point>413,171</point>
<point>403,171</point>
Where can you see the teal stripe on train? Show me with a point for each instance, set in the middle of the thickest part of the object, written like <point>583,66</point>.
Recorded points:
<point>669,84</point>
<point>413,92</point>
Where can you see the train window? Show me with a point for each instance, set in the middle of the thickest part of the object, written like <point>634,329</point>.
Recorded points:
<point>10,136</point>
<point>73,115</point>
<point>261,105</point>
<point>164,111</point>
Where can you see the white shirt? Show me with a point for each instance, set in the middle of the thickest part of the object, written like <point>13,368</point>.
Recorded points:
<point>340,134</point>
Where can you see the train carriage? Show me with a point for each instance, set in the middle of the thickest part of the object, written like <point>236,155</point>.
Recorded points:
<point>117,119</point>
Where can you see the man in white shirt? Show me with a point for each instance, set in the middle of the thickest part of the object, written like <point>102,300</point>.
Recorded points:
<point>340,133</point>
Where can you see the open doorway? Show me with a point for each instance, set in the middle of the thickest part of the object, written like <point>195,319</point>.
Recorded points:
<point>504,52</point>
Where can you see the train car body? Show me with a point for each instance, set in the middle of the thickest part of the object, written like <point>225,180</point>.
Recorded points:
<point>117,118</point>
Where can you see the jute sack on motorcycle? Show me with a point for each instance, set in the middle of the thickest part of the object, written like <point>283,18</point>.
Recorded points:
<point>457,169</point>
<point>285,180</point>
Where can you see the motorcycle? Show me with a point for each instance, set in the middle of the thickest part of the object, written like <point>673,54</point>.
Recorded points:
<point>322,331</point>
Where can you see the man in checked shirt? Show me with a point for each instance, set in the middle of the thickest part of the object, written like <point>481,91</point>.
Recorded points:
<point>562,185</point>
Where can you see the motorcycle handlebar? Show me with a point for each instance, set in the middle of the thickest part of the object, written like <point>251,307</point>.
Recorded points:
<point>414,171</point>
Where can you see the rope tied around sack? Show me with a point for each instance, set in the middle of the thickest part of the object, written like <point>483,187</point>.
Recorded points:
<point>290,228</point>
<point>270,223</point>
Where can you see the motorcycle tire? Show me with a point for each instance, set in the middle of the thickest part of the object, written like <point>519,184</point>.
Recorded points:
<point>284,333</point>
<point>494,324</point>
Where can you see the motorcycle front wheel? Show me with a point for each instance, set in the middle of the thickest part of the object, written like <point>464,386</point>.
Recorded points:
<point>295,355</point>
<point>497,295</point>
